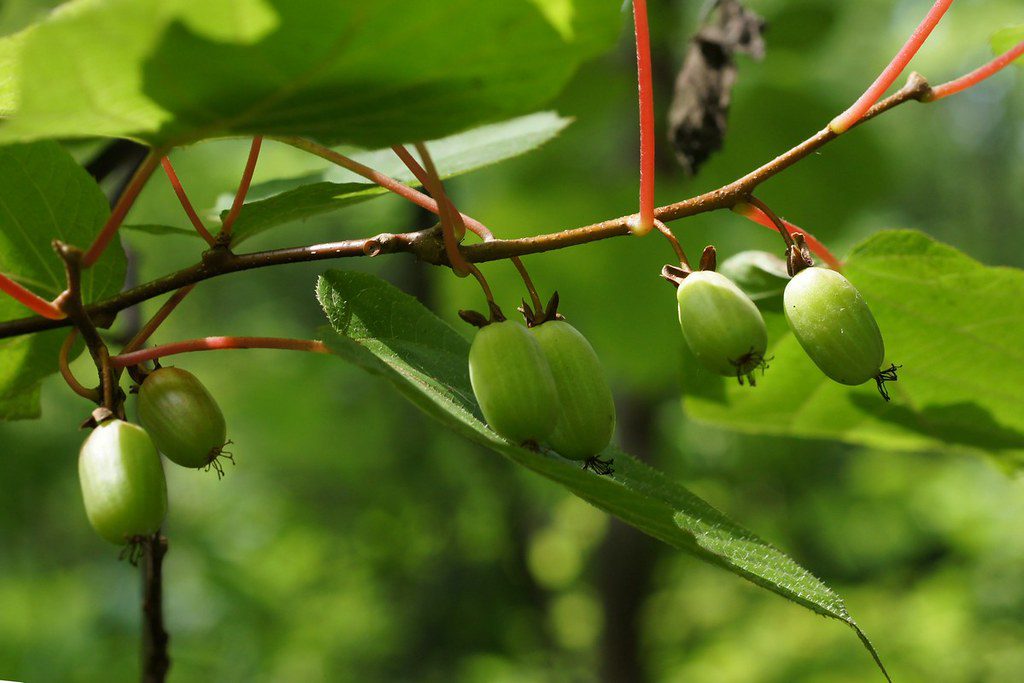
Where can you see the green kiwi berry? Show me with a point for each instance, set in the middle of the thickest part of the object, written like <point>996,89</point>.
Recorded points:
<point>513,383</point>
<point>586,411</point>
<point>122,481</point>
<point>834,325</point>
<point>721,325</point>
<point>184,420</point>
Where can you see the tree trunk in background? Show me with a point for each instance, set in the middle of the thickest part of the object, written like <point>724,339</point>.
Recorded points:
<point>626,560</point>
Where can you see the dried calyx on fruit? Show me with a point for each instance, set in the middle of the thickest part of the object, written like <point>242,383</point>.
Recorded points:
<point>720,323</point>
<point>122,482</point>
<point>183,418</point>
<point>585,407</point>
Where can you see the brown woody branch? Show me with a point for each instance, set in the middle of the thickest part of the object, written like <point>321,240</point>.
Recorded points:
<point>427,245</point>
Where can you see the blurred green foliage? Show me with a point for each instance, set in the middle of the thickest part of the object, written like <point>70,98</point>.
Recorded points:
<point>355,540</point>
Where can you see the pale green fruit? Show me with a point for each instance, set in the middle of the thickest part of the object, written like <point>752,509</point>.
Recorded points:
<point>834,325</point>
<point>513,383</point>
<point>586,411</point>
<point>183,419</point>
<point>721,325</point>
<point>122,481</point>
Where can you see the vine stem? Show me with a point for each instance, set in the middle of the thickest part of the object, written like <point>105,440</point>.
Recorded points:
<point>30,299</point>
<point>216,344</point>
<point>424,243</point>
<point>481,230</point>
<point>120,210</point>
<point>385,181</point>
<point>243,185</point>
<point>978,75</point>
<point>645,96</point>
<point>452,227</point>
<point>185,203</point>
<point>848,118</point>
<point>155,659</point>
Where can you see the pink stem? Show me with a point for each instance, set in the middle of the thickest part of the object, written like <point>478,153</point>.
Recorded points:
<point>978,75</point>
<point>414,167</point>
<point>185,203</point>
<point>243,186</point>
<point>30,299</point>
<point>385,181</point>
<point>117,216</point>
<point>214,344</point>
<point>842,123</point>
<point>646,100</point>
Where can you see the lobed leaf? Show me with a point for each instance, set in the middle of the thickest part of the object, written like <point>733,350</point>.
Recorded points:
<point>389,333</point>
<point>171,72</point>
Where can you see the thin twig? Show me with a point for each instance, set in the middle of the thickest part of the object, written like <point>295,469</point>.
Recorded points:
<point>155,658</point>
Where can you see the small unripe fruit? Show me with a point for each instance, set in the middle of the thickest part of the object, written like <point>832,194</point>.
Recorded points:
<point>722,326</point>
<point>834,325</point>
<point>122,480</point>
<point>513,383</point>
<point>180,414</point>
<point>586,411</point>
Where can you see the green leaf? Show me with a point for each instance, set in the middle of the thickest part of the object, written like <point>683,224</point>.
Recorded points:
<point>1005,39</point>
<point>953,324</point>
<point>285,200</point>
<point>364,73</point>
<point>45,195</point>
<point>391,334</point>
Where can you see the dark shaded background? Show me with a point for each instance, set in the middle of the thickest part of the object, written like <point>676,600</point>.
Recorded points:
<point>356,540</point>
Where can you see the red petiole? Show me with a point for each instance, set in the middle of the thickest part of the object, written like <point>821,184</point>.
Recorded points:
<point>215,344</point>
<point>117,216</point>
<point>185,203</point>
<point>243,186</point>
<point>30,299</point>
<point>645,219</point>
<point>844,121</point>
<point>978,75</point>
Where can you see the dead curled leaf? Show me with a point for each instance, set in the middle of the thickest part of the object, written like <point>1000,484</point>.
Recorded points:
<point>698,116</point>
